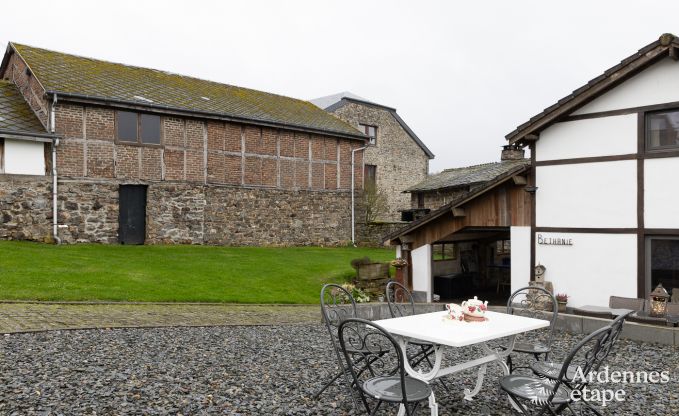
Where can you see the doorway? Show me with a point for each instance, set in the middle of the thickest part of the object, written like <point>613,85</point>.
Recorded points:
<point>132,214</point>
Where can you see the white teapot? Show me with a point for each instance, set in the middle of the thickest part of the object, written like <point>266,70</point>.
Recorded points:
<point>474,307</point>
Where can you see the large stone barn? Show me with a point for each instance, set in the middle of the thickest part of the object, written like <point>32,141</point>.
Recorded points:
<point>95,151</point>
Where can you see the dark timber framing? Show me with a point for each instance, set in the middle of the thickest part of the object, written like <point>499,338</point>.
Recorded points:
<point>528,133</point>
<point>533,204</point>
<point>641,244</point>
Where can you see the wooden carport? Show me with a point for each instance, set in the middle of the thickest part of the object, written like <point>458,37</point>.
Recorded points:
<point>493,207</point>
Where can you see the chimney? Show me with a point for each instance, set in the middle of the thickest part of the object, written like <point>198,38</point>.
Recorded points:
<point>512,152</point>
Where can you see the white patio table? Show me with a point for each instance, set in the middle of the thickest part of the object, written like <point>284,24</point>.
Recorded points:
<point>435,328</point>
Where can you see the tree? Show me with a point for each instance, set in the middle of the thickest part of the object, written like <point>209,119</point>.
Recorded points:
<point>375,202</point>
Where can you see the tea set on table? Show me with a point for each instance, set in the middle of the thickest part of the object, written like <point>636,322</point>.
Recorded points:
<point>471,310</point>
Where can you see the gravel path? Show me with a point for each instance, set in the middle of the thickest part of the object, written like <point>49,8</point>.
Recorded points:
<point>241,370</point>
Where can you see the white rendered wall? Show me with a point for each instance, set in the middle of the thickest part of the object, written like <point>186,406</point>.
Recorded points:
<point>661,193</point>
<point>587,195</point>
<point>520,271</point>
<point>587,138</point>
<point>655,85</point>
<point>594,268</point>
<point>422,278</point>
<point>24,157</point>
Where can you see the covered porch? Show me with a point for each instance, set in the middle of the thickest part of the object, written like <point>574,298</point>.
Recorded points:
<point>467,247</point>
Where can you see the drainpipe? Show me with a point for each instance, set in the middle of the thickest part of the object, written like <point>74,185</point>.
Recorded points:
<point>353,206</point>
<point>55,143</point>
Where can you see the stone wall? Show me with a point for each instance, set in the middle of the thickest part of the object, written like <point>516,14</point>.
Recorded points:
<point>177,213</point>
<point>438,198</point>
<point>373,234</point>
<point>25,208</point>
<point>400,161</point>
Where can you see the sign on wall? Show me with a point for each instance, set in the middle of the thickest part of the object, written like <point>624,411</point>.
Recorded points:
<point>554,241</point>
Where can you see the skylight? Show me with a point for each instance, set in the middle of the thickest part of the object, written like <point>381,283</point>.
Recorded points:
<point>139,97</point>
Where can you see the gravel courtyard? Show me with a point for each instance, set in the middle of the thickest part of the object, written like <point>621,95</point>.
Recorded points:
<point>242,370</point>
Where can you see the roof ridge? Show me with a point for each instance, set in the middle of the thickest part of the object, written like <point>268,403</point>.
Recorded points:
<point>470,166</point>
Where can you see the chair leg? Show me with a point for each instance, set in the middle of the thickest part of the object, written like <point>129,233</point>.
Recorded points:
<point>521,408</point>
<point>509,363</point>
<point>317,394</point>
<point>377,406</point>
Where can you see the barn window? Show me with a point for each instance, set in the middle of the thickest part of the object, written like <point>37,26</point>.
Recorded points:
<point>370,174</point>
<point>370,131</point>
<point>137,128</point>
<point>150,129</point>
<point>662,130</point>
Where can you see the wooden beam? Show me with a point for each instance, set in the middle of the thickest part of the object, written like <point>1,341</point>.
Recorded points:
<point>458,212</point>
<point>519,180</point>
<point>674,54</point>
<point>531,137</point>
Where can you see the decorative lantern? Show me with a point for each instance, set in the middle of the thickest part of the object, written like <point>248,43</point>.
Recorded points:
<point>659,298</point>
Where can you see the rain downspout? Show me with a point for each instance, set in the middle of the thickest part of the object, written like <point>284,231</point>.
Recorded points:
<point>353,206</point>
<point>55,143</point>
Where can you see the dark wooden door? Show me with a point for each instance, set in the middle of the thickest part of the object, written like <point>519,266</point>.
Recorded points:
<point>132,214</point>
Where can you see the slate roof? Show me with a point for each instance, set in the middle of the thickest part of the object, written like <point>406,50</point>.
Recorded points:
<point>666,45</point>
<point>15,114</point>
<point>468,175</point>
<point>107,81</point>
<point>333,102</point>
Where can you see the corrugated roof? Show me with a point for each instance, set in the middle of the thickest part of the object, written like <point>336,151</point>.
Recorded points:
<point>468,175</point>
<point>70,74</point>
<point>15,113</point>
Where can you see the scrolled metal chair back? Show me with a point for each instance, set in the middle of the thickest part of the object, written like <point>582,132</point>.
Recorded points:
<point>370,351</point>
<point>535,302</point>
<point>337,304</point>
<point>616,329</point>
<point>400,300</point>
<point>586,357</point>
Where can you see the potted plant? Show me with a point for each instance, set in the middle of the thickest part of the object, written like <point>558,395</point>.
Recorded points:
<point>562,300</point>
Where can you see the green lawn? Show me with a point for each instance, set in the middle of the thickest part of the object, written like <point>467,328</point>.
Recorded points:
<point>32,271</point>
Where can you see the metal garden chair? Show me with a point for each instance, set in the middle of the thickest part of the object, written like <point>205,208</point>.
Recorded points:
<point>553,395</point>
<point>337,304</point>
<point>551,370</point>
<point>534,302</point>
<point>376,363</point>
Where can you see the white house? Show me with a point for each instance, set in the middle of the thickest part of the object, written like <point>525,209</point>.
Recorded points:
<point>603,210</point>
<point>606,207</point>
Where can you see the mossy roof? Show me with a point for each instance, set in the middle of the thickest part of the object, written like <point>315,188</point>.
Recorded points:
<point>468,175</point>
<point>15,113</point>
<point>70,74</point>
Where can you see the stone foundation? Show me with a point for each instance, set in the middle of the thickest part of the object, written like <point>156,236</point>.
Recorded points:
<point>373,234</point>
<point>177,213</point>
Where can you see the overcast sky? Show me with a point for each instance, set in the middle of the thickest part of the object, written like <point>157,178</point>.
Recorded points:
<point>462,74</point>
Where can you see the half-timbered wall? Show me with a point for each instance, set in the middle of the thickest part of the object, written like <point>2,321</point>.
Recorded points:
<point>599,187</point>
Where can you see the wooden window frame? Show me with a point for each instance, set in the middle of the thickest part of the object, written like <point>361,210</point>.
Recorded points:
<point>648,278</point>
<point>2,155</point>
<point>443,251</point>
<point>365,176</point>
<point>647,146</point>
<point>138,142</point>
<point>373,140</point>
